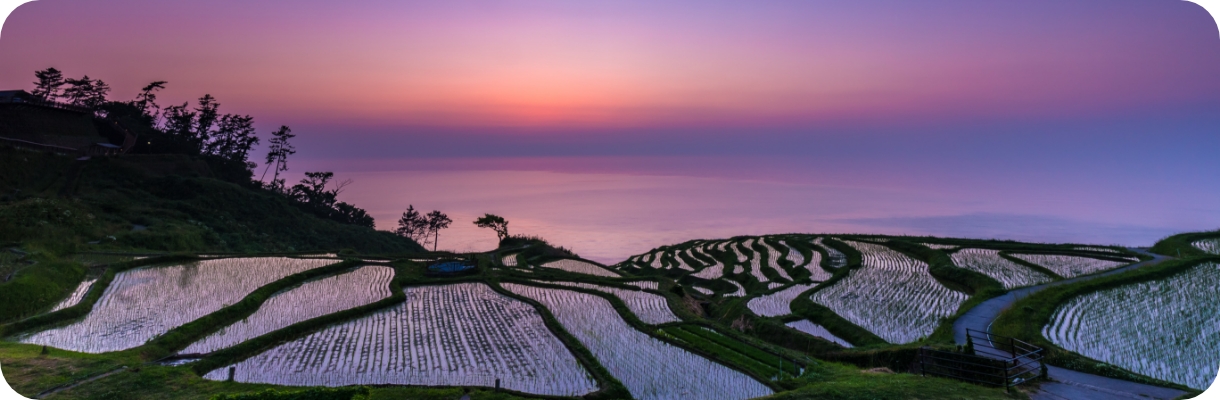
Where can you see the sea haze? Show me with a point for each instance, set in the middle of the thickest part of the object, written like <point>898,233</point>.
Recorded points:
<point>607,209</point>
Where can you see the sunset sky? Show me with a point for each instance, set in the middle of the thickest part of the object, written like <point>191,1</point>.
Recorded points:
<point>1090,110</point>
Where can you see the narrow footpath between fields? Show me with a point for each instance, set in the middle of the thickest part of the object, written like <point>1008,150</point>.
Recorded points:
<point>1066,384</point>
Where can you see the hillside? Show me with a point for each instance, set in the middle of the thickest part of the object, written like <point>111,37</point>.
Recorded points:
<point>159,203</point>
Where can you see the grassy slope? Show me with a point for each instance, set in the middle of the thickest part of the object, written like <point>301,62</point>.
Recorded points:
<point>182,212</point>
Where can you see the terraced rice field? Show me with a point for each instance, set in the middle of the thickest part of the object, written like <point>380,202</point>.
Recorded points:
<point>650,285</point>
<point>76,296</point>
<point>1167,329</point>
<point>740,292</point>
<point>462,334</point>
<point>891,295</point>
<point>936,246</point>
<point>711,272</point>
<point>773,257</point>
<point>145,302</point>
<point>650,368</point>
<point>814,266</point>
<point>776,304</point>
<point>651,308</point>
<point>818,331</point>
<point>310,300</point>
<point>580,267</point>
<point>1211,246</point>
<point>837,258</point>
<point>989,262</point>
<point>1070,266</point>
<point>509,260</point>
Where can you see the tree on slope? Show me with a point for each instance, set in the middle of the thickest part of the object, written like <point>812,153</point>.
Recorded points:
<point>413,225</point>
<point>495,222</point>
<point>48,84</point>
<point>436,221</point>
<point>278,150</point>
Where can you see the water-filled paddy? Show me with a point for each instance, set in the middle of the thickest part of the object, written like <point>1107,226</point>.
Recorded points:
<point>145,302</point>
<point>310,300</point>
<point>650,368</point>
<point>1167,329</point>
<point>891,295</point>
<point>462,334</point>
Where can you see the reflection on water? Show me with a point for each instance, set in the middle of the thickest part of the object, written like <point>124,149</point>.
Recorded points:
<point>609,216</point>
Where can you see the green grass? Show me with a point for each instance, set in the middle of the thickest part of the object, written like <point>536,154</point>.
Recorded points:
<point>38,287</point>
<point>836,382</point>
<point>183,211</point>
<point>1180,245</point>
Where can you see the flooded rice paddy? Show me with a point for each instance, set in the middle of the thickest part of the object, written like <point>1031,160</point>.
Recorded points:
<point>1167,329</point>
<point>650,368</point>
<point>1070,266</point>
<point>891,295</point>
<point>143,303</point>
<point>990,263</point>
<point>312,299</point>
<point>462,334</point>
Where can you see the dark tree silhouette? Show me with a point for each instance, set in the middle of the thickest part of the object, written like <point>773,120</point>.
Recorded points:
<point>495,222</point>
<point>233,138</point>
<point>85,92</point>
<point>146,100</point>
<point>413,225</point>
<point>48,84</point>
<point>436,221</point>
<point>206,114</point>
<point>277,154</point>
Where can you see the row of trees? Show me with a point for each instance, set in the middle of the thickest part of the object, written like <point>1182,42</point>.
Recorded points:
<point>223,140</point>
<point>425,228</point>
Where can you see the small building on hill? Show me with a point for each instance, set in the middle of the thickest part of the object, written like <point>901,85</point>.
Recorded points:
<point>28,121</point>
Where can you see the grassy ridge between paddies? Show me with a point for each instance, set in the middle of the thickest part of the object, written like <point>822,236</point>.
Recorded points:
<point>86,304</point>
<point>1182,244</point>
<point>1025,319</point>
<point>38,287</point>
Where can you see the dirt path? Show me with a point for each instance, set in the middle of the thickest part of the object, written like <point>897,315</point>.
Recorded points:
<point>1066,384</point>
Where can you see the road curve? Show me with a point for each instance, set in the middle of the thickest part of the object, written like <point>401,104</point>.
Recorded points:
<point>1066,384</point>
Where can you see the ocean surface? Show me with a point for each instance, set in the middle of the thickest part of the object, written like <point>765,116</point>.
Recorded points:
<point>607,212</point>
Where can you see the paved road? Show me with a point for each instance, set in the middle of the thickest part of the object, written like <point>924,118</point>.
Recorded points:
<point>1066,384</point>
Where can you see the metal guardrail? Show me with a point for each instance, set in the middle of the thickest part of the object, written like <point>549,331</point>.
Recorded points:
<point>988,360</point>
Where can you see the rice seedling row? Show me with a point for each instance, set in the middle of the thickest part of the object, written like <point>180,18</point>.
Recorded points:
<point>891,295</point>
<point>816,330</point>
<point>145,302</point>
<point>837,258</point>
<point>310,300</point>
<point>989,262</point>
<point>740,292</point>
<point>76,296</point>
<point>649,285</point>
<point>814,266</point>
<point>773,256</point>
<point>755,260</point>
<point>651,308</point>
<point>648,367</point>
<point>509,260</point>
<point>1211,246</point>
<point>778,303</point>
<point>580,267</point>
<point>462,334</point>
<point>703,290</point>
<point>711,272</point>
<point>937,246</point>
<point>740,354</point>
<point>1069,266</point>
<point>1167,329</point>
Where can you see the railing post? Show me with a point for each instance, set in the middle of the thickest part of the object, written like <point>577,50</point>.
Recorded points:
<point>1005,383</point>
<point>1012,347</point>
<point>923,371</point>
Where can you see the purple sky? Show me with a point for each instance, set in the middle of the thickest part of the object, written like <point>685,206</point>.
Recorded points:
<point>1105,110</point>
